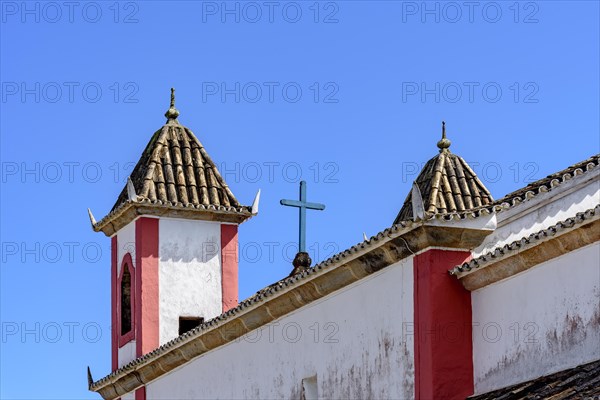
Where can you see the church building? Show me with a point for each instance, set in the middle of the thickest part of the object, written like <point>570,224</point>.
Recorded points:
<point>463,296</point>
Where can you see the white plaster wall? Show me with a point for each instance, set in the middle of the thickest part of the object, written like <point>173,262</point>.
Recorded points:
<point>126,353</point>
<point>543,320</point>
<point>189,273</point>
<point>128,396</point>
<point>125,244</point>
<point>360,350</point>
<point>577,195</point>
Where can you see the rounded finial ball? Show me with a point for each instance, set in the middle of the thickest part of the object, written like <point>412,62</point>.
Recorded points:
<point>172,113</point>
<point>444,143</point>
<point>302,260</point>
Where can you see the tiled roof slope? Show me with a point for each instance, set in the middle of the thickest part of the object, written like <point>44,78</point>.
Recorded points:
<point>582,382</point>
<point>176,168</point>
<point>447,184</point>
<point>549,182</point>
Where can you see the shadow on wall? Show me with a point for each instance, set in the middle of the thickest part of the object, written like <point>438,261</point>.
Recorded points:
<point>190,250</point>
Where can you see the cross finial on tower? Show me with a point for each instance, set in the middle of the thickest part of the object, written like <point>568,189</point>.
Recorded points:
<point>444,142</point>
<point>172,113</point>
<point>302,259</point>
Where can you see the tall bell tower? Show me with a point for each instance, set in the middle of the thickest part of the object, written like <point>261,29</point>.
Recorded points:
<point>174,243</point>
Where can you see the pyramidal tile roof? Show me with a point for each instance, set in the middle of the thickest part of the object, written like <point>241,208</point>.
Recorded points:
<point>446,184</point>
<point>176,172</point>
<point>176,168</point>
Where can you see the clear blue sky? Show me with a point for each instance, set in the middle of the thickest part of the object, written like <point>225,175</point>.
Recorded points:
<point>348,95</point>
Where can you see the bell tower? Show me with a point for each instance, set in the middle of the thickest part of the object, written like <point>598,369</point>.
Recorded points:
<point>447,189</point>
<point>174,243</point>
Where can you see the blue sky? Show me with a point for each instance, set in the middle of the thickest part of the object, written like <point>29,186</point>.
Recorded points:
<point>347,95</point>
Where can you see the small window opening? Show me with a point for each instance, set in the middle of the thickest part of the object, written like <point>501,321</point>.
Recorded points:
<point>309,388</point>
<point>126,301</point>
<point>189,323</point>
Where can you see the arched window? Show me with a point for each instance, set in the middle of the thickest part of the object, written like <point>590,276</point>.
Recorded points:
<point>125,300</point>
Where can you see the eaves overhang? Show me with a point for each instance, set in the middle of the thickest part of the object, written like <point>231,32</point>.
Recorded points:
<point>130,210</point>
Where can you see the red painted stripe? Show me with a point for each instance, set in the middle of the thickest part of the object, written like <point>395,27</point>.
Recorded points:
<point>229,266</point>
<point>113,302</point>
<point>146,288</point>
<point>443,330</point>
<point>140,394</point>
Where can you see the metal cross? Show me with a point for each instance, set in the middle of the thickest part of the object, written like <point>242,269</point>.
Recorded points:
<point>303,205</point>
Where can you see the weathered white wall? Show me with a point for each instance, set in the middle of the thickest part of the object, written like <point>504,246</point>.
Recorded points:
<point>126,353</point>
<point>189,273</point>
<point>352,340</point>
<point>544,320</point>
<point>128,396</point>
<point>577,195</point>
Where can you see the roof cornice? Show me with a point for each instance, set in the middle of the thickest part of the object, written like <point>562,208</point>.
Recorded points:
<point>131,209</point>
<point>547,184</point>
<point>571,234</point>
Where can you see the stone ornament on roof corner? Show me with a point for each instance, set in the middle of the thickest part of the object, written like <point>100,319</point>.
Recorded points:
<point>446,185</point>
<point>254,207</point>
<point>176,177</point>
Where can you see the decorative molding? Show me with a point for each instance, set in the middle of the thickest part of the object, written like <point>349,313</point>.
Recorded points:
<point>130,210</point>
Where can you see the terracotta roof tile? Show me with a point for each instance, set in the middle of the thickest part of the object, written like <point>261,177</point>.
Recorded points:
<point>549,182</point>
<point>447,185</point>
<point>174,175</point>
<point>176,168</point>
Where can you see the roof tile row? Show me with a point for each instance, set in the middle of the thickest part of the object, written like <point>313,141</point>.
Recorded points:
<point>519,245</point>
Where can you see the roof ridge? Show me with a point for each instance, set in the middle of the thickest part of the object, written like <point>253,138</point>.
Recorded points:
<point>518,245</point>
<point>518,196</point>
<point>155,150</point>
<point>584,165</point>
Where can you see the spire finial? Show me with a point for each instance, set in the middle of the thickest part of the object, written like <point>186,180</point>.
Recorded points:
<point>172,112</point>
<point>444,143</point>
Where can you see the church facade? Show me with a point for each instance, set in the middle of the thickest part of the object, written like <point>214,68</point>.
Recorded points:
<point>462,297</point>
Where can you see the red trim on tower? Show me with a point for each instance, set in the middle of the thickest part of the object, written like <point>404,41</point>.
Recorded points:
<point>129,336</point>
<point>229,266</point>
<point>113,303</point>
<point>443,331</point>
<point>146,288</point>
<point>140,394</point>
